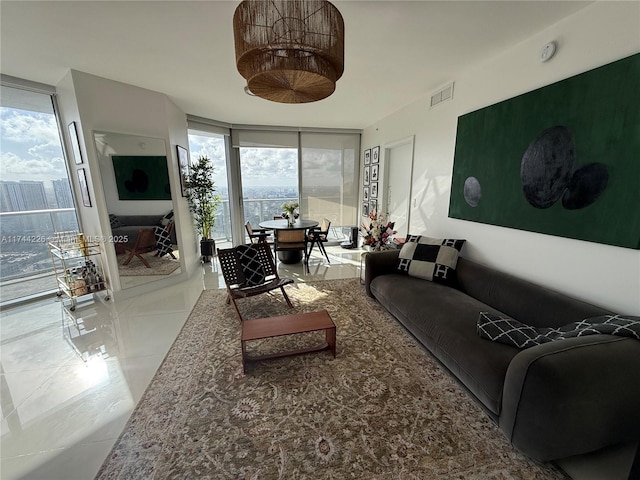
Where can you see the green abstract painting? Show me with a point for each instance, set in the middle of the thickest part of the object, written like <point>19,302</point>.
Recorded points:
<point>562,160</point>
<point>142,177</point>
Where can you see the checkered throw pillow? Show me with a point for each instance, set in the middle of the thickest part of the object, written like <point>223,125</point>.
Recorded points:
<point>252,269</point>
<point>511,332</point>
<point>432,259</point>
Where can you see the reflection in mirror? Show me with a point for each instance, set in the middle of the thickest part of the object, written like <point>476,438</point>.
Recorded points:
<point>135,179</point>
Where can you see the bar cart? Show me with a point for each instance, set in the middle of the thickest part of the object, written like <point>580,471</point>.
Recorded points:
<point>78,266</point>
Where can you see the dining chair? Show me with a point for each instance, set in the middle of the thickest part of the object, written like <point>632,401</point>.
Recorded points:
<point>257,235</point>
<point>250,270</point>
<point>289,241</point>
<point>319,235</point>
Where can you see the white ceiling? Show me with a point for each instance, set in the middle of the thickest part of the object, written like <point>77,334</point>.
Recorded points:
<point>395,51</point>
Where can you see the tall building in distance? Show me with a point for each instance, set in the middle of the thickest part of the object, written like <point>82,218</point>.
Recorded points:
<point>62,191</point>
<point>21,196</point>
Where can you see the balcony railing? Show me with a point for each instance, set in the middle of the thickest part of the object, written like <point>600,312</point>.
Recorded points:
<point>258,210</point>
<point>25,264</point>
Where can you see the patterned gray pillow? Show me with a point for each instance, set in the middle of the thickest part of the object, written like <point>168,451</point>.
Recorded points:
<point>512,332</point>
<point>114,221</point>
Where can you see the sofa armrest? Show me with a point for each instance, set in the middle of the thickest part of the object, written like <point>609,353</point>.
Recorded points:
<point>572,396</point>
<point>379,263</point>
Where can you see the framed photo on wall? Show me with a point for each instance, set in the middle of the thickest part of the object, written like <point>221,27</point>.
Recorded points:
<point>365,194</point>
<point>374,190</point>
<point>366,175</point>
<point>365,209</point>
<point>374,172</point>
<point>367,156</point>
<point>75,143</point>
<point>84,187</point>
<point>375,154</point>
<point>373,206</point>
<point>183,169</point>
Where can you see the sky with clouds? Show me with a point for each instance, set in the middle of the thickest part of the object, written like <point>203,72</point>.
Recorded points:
<point>30,150</point>
<point>30,146</point>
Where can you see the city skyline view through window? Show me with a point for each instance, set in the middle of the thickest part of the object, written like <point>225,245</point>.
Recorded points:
<point>35,193</point>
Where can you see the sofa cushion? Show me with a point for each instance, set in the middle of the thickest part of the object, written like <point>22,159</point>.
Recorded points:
<point>432,259</point>
<point>443,319</point>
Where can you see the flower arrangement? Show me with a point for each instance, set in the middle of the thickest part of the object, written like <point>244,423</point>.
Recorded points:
<point>377,234</point>
<point>290,211</point>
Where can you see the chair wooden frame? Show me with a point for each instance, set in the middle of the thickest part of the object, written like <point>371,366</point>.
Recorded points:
<point>257,235</point>
<point>145,243</point>
<point>237,275</point>
<point>318,235</point>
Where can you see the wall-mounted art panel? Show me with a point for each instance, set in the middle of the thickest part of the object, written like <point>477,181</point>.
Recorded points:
<point>142,177</point>
<point>561,160</point>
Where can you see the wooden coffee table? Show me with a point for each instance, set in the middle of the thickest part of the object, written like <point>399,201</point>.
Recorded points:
<point>288,325</point>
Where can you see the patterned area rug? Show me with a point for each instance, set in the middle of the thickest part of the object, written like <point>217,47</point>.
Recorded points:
<point>383,409</point>
<point>159,266</point>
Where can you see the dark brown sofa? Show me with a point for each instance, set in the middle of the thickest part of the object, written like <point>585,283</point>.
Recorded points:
<point>551,401</point>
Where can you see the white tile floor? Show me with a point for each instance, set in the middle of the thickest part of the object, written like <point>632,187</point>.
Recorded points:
<point>62,412</point>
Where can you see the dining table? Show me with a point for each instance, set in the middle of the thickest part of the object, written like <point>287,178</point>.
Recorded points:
<point>289,256</point>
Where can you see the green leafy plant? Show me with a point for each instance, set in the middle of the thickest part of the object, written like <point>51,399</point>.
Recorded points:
<point>203,201</point>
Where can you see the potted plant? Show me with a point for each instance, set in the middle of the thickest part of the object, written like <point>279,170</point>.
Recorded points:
<point>203,202</point>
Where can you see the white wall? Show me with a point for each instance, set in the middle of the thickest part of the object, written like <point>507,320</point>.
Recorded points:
<point>100,104</point>
<point>602,274</point>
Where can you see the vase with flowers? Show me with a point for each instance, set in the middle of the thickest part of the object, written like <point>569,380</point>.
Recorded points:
<point>290,212</point>
<point>377,234</point>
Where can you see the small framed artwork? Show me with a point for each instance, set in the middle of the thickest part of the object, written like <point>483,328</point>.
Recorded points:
<point>366,175</point>
<point>75,143</point>
<point>374,172</point>
<point>183,169</point>
<point>375,154</point>
<point>373,206</point>
<point>365,209</point>
<point>84,187</point>
<point>365,194</point>
<point>367,156</point>
<point>374,190</point>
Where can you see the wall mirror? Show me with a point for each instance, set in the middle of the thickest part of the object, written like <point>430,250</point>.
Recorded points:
<point>135,177</point>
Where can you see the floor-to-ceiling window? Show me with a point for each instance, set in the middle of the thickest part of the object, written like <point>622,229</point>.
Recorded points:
<point>213,146</point>
<point>329,179</point>
<point>268,170</point>
<point>259,169</point>
<point>35,192</point>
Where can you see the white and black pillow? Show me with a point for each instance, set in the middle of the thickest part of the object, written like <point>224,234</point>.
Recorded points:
<point>432,259</point>
<point>512,332</point>
<point>252,269</point>
<point>114,221</point>
<point>163,241</point>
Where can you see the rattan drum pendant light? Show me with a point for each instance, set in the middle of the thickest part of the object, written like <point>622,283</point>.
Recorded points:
<point>289,51</point>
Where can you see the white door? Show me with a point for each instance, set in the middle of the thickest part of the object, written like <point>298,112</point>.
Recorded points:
<point>399,166</point>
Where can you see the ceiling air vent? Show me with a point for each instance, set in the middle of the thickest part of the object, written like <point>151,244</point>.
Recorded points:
<point>445,93</point>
